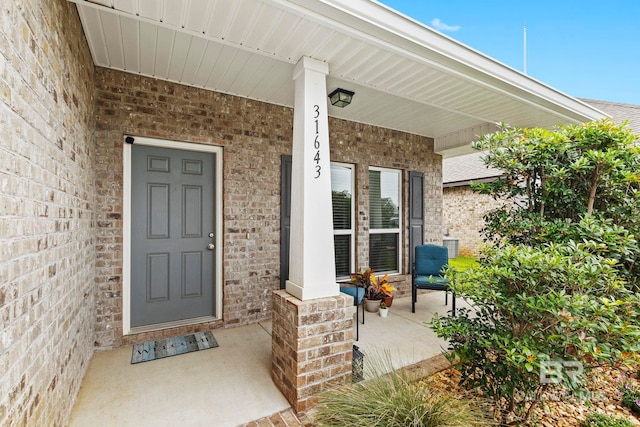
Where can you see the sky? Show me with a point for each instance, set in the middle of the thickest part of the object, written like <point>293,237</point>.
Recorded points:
<point>586,49</point>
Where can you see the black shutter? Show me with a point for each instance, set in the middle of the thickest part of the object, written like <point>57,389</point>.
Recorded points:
<point>416,213</point>
<point>285,217</point>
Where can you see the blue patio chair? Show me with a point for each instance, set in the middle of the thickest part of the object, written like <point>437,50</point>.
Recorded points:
<point>428,273</point>
<point>358,294</point>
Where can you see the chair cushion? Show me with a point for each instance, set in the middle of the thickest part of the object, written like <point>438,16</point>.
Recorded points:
<point>431,282</point>
<point>355,292</point>
<point>430,260</point>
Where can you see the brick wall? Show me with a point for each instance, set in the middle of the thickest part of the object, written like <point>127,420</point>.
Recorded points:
<point>367,146</point>
<point>254,136</point>
<point>312,345</point>
<point>463,212</point>
<point>47,255</point>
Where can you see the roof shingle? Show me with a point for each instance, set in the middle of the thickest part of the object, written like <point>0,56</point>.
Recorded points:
<point>460,170</point>
<point>619,112</point>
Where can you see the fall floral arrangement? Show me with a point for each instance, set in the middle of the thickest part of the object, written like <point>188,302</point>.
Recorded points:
<point>374,288</point>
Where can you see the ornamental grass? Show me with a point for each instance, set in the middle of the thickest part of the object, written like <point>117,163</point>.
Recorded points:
<point>396,399</point>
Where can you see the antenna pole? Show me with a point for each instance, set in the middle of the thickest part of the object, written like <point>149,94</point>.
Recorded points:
<point>525,48</point>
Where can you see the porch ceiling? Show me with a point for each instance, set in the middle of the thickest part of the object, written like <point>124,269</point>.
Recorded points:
<point>405,75</point>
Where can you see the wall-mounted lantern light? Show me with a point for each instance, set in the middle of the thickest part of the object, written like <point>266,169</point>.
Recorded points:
<point>341,97</point>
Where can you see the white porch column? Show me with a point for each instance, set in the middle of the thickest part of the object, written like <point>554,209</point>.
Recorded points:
<point>311,261</point>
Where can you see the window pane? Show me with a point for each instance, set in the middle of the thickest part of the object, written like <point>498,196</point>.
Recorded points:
<point>384,198</point>
<point>341,197</point>
<point>342,244</point>
<point>383,252</point>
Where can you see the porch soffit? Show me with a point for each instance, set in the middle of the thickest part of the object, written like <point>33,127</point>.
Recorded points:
<point>405,75</point>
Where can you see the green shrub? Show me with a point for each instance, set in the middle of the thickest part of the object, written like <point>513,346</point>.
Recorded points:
<point>560,286</point>
<point>554,179</point>
<point>599,420</point>
<point>396,399</point>
<point>532,307</point>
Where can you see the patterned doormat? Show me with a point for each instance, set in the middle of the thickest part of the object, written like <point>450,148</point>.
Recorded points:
<point>158,349</point>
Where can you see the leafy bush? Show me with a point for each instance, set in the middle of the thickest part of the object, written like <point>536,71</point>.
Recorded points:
<point>600,420</point>
<point>396,399</point>
<point>553,180</point>
<point>566,173</point>
<point>559,287</point>
<point>533,307</point>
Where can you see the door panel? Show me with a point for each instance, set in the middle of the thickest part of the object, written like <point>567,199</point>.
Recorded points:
<point>192,274</point>
<point>172,214</point>
<point>158,212</point>
<point>157,280</point>
<point>192,211</point>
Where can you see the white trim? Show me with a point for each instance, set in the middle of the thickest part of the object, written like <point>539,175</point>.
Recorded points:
<point>352,231</point>
<point>126,237</point>
<point>397,230</point>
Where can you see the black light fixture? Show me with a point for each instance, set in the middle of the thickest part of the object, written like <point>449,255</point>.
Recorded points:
<point>341,97</point>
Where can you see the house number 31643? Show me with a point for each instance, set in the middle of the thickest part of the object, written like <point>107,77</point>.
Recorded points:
<point>316,142</point>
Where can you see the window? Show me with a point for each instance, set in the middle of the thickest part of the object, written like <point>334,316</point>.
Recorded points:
<point>384,219</point>
<point>343,218</point>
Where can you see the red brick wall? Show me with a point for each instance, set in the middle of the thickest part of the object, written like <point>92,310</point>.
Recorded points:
<point>254,136</point>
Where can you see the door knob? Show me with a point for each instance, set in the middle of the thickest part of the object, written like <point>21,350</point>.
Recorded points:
<point>211,246</point>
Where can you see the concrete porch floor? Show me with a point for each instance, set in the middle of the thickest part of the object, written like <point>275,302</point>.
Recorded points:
<point>231,385</point>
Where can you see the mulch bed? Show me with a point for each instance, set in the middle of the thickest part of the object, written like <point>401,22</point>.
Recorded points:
<point>563,411</point>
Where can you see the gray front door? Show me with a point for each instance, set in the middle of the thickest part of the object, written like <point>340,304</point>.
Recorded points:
<point>172,224</point>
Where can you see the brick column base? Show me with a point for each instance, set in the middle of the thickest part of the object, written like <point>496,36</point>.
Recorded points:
<point>311,346</point>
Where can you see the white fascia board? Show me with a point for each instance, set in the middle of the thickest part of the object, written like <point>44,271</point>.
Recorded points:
<point>387,28</point>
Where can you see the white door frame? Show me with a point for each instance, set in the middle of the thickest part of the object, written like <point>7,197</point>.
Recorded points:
<point>126,237</point>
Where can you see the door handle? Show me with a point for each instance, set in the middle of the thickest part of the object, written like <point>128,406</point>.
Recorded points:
<point>211,246</point>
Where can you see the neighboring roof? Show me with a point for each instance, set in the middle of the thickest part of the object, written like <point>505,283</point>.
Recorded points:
<point>405,75</point>
<point>460,170</point>
<point>619,112</point>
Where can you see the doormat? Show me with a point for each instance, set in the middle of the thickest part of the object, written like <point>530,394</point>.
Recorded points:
<point>158,349</point>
